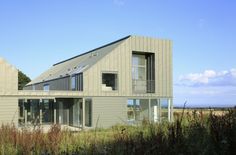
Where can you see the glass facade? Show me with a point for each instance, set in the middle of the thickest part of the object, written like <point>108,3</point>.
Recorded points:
<point>138,110</point>
<point>153,110</point>
<point>47,107</point>
<point>65,111</point>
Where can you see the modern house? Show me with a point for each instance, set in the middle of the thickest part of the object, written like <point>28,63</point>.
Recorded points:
<point>125,81</point>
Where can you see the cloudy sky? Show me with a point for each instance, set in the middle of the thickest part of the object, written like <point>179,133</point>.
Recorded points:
<point>34,34</point>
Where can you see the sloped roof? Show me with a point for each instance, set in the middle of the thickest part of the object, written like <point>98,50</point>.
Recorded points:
<point>76,64</point>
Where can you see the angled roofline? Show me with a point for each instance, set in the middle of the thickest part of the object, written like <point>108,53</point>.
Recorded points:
<point>93,50</point>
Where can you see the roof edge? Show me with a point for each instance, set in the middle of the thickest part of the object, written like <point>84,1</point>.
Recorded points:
<point>92,50</point>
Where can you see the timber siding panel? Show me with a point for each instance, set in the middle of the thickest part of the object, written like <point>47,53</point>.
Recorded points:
<point>171,70</point>
<point>8,85</point>
<point>8,77</point>
<point>108,111</point>
<point>8,110</point>
<point>164,71</point>
<point>120,60</point>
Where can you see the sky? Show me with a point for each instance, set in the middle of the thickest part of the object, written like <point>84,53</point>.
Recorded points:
<point>35,34</point>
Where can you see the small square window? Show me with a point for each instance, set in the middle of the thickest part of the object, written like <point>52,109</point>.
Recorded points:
<point>109,81</point>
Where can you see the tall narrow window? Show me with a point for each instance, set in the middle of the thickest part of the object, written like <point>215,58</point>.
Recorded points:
<point>139,67</point>
<point>143,72</point>
<point>73,83</point>
<point>109,81</point>
<point>88,112</point>
<point>33,87</point>
<point>80,82</point>
<point>139,73</point>
<point>77,82</point>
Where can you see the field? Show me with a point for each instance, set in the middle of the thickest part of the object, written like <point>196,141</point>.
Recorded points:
<point>205,111</point>
<point>192,132</point>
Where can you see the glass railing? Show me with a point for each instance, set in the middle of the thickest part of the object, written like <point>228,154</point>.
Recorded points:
<point>143,86</point>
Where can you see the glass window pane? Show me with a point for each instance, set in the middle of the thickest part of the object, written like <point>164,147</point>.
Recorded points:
<point>131,110</point>
<point>141,73</point>
<point>155,113</point>
<point>88,112</point>
<point>164,109</point>
<point>46,87</point>
<point>138,60</point>
<point>135,60</point>
<point>73,82</point>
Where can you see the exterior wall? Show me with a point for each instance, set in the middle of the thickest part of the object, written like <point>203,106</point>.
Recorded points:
<point>120,61</point>
<point>108,111</point>
<point>8,77</point>
<point>8,110</point>
<point>8,86</point>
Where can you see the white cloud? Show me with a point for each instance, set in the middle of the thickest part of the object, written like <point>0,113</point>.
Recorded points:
<point>209,78</point>
<point>208,88</point>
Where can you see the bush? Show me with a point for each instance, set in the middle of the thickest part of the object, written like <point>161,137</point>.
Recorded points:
<point>195,133</point>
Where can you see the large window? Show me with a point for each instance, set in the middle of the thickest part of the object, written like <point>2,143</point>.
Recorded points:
<point>143,109</point>
<point>138,110</point>
<point>109,81</point>
<point>143,72</point>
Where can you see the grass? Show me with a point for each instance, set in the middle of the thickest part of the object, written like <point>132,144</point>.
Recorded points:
<point>192,133</point>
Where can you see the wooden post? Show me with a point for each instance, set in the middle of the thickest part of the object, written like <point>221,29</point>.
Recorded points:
<point>25,111</point>
<point>83,113</point>
<point>169,110</point>
<point>149,110</point>
<point>26,117</point>
<point>40,111</point>
<point>67,116</point>
<point>134,109</point>
<point>54,111</point>
<point>159,110</point>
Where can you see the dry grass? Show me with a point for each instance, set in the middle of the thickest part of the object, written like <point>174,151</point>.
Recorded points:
<point>192,133</point>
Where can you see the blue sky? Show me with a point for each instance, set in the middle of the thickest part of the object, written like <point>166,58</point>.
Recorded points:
<point>34,34</point>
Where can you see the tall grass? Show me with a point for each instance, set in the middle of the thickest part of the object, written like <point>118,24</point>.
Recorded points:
<point>194,133</point>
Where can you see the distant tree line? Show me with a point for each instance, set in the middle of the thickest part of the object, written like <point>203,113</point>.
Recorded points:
<point>22,80</point>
